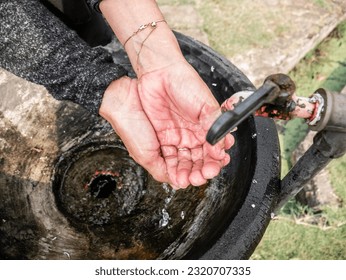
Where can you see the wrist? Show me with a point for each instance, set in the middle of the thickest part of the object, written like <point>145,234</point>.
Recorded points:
<point>153,48</point>
<point>150,48</point>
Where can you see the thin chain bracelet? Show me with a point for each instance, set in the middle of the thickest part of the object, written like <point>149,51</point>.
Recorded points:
<point>152,24</point>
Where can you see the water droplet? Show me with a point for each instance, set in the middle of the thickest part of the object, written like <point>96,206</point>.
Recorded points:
<point>165,218</point>
<point>67,254</point>
<point>165,187</point>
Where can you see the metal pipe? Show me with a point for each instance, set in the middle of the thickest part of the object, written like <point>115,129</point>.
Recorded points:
<point>327,145</point>
<point>323,112</point>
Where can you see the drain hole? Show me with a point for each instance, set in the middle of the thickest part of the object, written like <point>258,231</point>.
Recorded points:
<point>102,186</point>
<point>98,185</point>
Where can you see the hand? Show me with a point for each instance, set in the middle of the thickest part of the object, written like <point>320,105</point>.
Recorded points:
<point>181,109</point>
<point>122,108</point>
<point>164,123</point>
<point>163,131</point>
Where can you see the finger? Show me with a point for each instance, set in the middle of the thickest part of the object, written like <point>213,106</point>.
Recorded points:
<point>174,187</point>
<point>184,167</point>
<point>211,168</point>
<point>216,152</point>
<point>235,99</point>
<point>228,104</point>
<point>212,164</point>
<point>226,160</point>
<point>229,141</point>
<point>196,177</point>
<point>170,156</point>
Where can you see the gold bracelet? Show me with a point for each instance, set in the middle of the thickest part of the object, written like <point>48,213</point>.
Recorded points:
<point>152,24</point>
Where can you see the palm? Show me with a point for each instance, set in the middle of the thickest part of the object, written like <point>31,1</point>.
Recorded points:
<point>181,113</point>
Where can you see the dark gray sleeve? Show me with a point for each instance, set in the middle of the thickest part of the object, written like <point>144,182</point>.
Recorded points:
<point>37,46</point>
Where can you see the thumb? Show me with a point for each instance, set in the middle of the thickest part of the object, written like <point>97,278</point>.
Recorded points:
<point>231,103</point>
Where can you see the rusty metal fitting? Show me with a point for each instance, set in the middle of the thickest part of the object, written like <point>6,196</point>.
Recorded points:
<point>332,115</point>
<point>317,99</point>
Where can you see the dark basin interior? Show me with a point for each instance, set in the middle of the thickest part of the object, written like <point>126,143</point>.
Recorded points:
<point>89,200</point>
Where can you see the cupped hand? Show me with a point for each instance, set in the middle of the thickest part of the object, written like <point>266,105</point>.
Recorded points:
<point>181,109</point>
<point>163,120</point>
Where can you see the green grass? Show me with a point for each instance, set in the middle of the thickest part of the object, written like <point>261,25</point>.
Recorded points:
<point>291,240</point>
<point>324,66</point>
<point>321,3</point>
<point>337,169</point>
<point>229,23</point>
<point>295,132</point>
